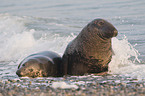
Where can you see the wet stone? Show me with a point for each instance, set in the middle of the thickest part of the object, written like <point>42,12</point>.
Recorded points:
<point>87,86</point>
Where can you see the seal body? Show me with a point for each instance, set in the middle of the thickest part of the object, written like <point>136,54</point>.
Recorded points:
<point>41,64</point>
<point>90,51</point>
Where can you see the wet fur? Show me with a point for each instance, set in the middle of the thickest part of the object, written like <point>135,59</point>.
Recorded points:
<point>41,64</point>
<point>90,51</point>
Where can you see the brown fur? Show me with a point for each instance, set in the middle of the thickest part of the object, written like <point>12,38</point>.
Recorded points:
<point>41,64</point>
<point>90,51</point>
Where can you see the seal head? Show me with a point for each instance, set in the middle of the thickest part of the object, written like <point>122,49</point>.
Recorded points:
<point>103,28</point>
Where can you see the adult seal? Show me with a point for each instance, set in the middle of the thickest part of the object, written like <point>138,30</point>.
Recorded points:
<point>90,51</point>
<point>41,64</point>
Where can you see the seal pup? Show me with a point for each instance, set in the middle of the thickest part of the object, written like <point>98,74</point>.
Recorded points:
<point>41,64</point>
<point>90,51</point>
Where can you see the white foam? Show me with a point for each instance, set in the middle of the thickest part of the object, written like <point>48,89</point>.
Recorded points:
<point>63,85</point>
<point>16,46</point>
<point>121,62</point>
<point>18,42</point>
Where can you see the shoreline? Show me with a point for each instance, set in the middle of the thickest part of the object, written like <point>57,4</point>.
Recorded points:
<point>91,85</point>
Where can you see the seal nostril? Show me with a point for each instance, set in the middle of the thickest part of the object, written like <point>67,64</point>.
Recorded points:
<point>115,33</point>
<point>19,73</point>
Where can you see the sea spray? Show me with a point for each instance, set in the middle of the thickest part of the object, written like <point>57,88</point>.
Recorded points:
<point>10,27</point>
<point>19,40</point>
<point>122,62</point>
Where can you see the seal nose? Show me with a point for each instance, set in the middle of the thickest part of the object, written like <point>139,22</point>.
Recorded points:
<point>115,33</point>
<point>19,73</point>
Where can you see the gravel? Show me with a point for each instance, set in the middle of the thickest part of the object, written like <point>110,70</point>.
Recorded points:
<point>88,85</point>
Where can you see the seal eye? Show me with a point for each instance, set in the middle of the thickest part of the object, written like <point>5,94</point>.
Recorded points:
<point>23,65</point>
<point>100,23</point>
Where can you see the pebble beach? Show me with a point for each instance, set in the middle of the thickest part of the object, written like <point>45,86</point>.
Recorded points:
<point>89,85</point>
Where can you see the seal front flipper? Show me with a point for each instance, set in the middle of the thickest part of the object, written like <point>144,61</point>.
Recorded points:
<point>72,68</point>
<point>75,65</point>
<point>102,73</point>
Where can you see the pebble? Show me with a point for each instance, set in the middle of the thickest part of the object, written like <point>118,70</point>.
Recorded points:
<point>87,86</point>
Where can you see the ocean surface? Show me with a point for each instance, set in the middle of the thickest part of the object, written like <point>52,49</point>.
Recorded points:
<point>30,26</point>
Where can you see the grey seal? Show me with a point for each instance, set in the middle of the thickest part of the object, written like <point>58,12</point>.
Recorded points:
<point>42,64</point>
<point>91,50</point>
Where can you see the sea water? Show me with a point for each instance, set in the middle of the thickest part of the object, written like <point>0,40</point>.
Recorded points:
<point>31,26</point>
